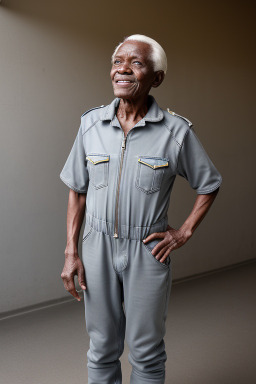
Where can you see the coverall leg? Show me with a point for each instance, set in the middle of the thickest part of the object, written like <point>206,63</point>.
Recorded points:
<point>118,270</point>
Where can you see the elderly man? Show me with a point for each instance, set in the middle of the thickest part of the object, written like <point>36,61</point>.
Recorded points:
<point>121,168</point>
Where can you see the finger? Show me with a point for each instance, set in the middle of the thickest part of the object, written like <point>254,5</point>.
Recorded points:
<point>168,248</point>
<point>167,253</point>
<point>74,293</point>
<point>70,287</point>
<point>159,246</point>
<point>162,255</point>
<point>162,252</point>
<point>174,245</point>
<point>153,236</point>
<point>81,277</point>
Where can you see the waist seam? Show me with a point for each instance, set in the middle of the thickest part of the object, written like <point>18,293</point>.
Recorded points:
<point>130,232</point>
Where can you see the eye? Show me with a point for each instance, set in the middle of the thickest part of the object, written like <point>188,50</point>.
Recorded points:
<point>117,61</point>
<point>137,62</point>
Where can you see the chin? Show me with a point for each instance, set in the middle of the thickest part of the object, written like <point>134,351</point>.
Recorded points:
<point>122,94</point>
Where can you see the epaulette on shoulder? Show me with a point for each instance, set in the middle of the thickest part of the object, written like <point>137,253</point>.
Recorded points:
<point>182,117</point>
<point>101,106</point>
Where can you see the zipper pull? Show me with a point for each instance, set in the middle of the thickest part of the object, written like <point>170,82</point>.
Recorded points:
<point>124,143</point>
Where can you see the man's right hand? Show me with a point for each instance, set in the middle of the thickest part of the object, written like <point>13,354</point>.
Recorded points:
<point>73,266</point>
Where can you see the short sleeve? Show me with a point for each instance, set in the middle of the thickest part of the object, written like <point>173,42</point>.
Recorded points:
<point>195,165</point>
<point>74,173</point>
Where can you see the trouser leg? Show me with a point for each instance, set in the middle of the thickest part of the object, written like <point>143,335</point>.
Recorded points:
<point>147,287</point>
<point>104,316</point>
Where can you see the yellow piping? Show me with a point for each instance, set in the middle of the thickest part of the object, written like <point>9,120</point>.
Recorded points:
<point>96,162</point>
<point>154,166</point>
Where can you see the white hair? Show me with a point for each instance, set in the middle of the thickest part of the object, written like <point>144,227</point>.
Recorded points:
<point>158,55</point>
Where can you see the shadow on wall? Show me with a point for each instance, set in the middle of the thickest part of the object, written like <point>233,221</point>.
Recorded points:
<point>73,21</point>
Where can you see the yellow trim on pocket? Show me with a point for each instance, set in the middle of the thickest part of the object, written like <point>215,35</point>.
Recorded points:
<point>96,162</point>
<point>154,166</point>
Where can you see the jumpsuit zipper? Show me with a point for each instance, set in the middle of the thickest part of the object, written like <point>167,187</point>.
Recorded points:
<point>118,186</point>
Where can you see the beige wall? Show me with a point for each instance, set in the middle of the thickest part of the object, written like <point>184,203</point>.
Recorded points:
<point>54,65</point>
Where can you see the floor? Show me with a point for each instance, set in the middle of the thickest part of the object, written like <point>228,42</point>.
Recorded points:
<point>210,338</point>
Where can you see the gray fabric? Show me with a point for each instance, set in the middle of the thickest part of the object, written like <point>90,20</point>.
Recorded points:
<point>126,231</point>
<point>75,173</point>
<point>92,166</point>
<point>195,165</point>
<point>116,271</point>
<point>159,147</point>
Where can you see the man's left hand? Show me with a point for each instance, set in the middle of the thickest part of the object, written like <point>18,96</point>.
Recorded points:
<point>172,239</point>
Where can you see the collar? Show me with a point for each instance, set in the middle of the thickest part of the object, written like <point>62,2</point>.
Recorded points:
<point>154,113</point>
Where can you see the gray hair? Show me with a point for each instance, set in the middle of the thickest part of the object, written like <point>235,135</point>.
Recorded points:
<point>158,55</point>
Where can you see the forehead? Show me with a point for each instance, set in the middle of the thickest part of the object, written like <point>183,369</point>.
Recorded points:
<point>134,48</point>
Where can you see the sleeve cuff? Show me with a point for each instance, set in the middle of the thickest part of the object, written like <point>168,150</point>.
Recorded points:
<point>67,182</point>
<point>205,191</point>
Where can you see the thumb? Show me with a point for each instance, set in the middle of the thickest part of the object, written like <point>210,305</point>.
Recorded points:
<point>80,277</point>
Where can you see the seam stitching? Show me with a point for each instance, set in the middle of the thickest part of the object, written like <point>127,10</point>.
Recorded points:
<point>67,182</point>
<point>172,135</point>
<point>87,129</point>
<point>202,192</point>
<point>87,235</point>
<point>178,156</point>
<point>165,266</point>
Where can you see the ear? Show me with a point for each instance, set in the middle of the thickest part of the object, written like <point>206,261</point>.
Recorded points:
<point>159,77</point>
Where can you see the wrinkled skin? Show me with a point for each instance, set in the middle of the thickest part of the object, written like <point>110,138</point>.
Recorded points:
<point>132,75</point>
<point>132,63</point>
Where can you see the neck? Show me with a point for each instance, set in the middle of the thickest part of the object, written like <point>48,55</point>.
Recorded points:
<point>132,110</point>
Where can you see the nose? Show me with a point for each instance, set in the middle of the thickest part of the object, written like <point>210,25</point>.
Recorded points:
<point>124,68</point>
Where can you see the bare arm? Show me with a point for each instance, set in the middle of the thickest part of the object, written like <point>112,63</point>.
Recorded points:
<point>175,238</point>
<point>73,264</point>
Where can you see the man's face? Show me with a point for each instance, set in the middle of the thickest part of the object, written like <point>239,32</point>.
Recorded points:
<point>132,71</point>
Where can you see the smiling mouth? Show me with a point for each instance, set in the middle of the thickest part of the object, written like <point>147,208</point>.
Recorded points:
<point>123,81</point>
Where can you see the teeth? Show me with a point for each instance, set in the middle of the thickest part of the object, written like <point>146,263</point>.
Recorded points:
<point>123,81</point>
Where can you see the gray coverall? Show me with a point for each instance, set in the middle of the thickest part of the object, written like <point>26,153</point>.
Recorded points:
<point>128,182</point>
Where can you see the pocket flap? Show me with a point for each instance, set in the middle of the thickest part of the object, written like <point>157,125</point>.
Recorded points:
<point>154,162</point>
<point>95,159</point>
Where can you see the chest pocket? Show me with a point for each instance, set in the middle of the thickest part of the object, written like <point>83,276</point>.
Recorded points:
<point>98,167</point>
<point>150,172</point>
